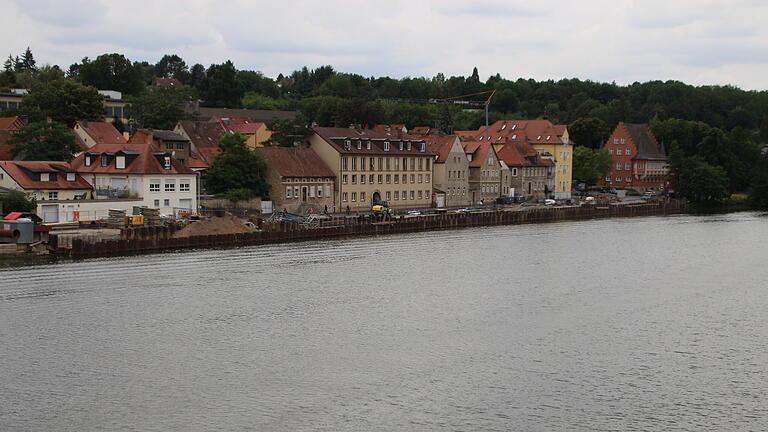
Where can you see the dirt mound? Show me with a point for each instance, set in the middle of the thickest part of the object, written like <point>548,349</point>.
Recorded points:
<point>213,226</point>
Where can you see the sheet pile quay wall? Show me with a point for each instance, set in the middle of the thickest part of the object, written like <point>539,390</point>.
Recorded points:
<point>147,239</point>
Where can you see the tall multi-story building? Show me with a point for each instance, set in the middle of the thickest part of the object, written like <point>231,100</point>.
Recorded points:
<point>372,166</point>
<point>450,171</point>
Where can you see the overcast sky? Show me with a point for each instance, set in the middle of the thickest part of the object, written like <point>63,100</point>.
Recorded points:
<point>696,41</point>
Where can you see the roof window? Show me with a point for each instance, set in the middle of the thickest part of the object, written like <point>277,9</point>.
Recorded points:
<point>347,144</point>
<point>538,137</point>
<point>549,136</point>
<point>87,160</point>
<point>359,144</point>
<point>409,146</point>
<point>386,145</point>
<point>70,176</point>
<point>368,145</point>
<point>514,136</point>
<point>504,126</point>
<point>514,126</point>
<point>167,164</point>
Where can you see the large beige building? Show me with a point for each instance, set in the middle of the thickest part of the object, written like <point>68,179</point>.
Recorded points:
<point>372,166</point>
<point>299,181</point>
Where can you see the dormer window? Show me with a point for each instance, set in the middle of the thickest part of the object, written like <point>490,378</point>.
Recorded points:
<point>87,160</point>
<point>423,147</point>
<point>538,137</point>
<point>359,144</point>
<point>504,126</point>
<point>70,177</point>
<point>368,145</point>
<point>386,145</point>
<point>481,138</point>
<point>120,162</point>
<point>514,126</point>
<point>347,144</point>
<point>167,164</point>
<point>549,136</point>
<point>104,160</point>
<point>401,146</point>
<point>409,146</point>
<point>44,177</point>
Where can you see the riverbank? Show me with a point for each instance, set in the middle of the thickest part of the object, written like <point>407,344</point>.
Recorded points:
<point>148,239</point>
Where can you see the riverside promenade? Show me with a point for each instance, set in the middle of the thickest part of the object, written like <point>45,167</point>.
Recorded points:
<point>153,239</point>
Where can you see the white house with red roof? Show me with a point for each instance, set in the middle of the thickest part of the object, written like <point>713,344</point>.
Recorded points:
<point>140,171</point>
<point>91,133</point>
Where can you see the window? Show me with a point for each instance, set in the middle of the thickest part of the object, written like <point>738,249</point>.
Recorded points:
<point>319,191</point>
<point>170,186</point>
<point>157,203</point>
<point>389,195</point>
<point>354,164</point>
<point>429,164</point>
<point>397,164</point>
<point>413,164</point>
<point>381,163</point>
<point>421,164</point>
<point>426,178</point>
<point>104,160</point>
<point>296,192</point>
<point>403,195</point>
<point>514,172</point>
<point>372,164</point>
<point>427,194</point>
<point>623,140</point>
<point>359,145</point>
<point>362,179</point>
<point>169,146</point>
<point>370,179</point>
<point>420,178</point>
<point>397,195</point>
<point>615,140</point>
<point>610,151</point>
<point>413,195</point>
<point>413,178</point>
<point>183,187</point>
<point>409,146</point>
<point>53,195</point>
<point>180,146</point>
<point>420,196</point>
<point>344,196</point>
<point>167,163</point>
<point>387,164</point>
<point>401,146</point>
<point>405,164</point>
<point>344,163</point>
<point>362,196</point>
<point>397,178</point>
<point>154,185</point>
<point>386,145</point>
<point>167,202</point>
<point>626,165</point>
<point>87,160</point>
<point>424,147</point>
<point>362,163</point>
<point>354,178</point>
<point>288,192</point>
<point>120,162</point>
<point>44,177</point>
<point>389,178</point>
<point>344,179</point>
<point>381,178</point>
<point>618,165</point>
<point>368,145</point>
<point>629,179</point>
<point>618,178</point>
<point>354,196</point>
<point>347,145</point>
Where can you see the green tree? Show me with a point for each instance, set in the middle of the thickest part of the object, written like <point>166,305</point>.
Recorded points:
<point>590,165</point>
<point>220,87</point>
<point>43,141</point>
<point>699,182</point>
<point>17,201</point>
<point>289,132</point>
<point>28,62</point>
<point>237,167</point>
<point>588,132</point>
<point>259,101</point>
<point>758,194</point>
<point>63,101</point>
<point>196,75</point>
<point>112,72</point>
<point>159,107</point>
<point>172,66</point>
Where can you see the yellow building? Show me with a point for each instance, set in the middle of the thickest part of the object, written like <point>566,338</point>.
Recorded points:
<point>255,132</point>
<point>372,166</point>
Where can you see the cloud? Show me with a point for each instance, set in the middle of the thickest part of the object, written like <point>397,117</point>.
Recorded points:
<point>606,40</point>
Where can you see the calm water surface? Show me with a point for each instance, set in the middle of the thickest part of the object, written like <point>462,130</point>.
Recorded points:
<point>654,323</point>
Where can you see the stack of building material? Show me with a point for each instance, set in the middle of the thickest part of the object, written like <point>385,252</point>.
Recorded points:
<point>151,217</point>
<point>116,219</point>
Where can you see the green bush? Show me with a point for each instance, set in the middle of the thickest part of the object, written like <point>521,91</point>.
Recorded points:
<point>15,201</point>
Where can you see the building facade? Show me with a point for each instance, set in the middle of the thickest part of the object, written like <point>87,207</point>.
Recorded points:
<point>299,180</point>
<point>373,166</point>
<point>639,161</point>
<point>484,172</point>
<point>450,170</point>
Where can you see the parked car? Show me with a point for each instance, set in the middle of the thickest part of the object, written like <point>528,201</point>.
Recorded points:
<point>413,213</point>
<point>549,202</point>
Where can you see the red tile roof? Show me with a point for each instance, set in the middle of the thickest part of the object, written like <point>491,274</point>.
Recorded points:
<point>25,172</point>
<point>11,123</point>
<point>295,162</point>
<point>533,131</point>
<point>479,151</point>
<point>202,134</point>
<point>5,146</point>
<point>101,132</point>
<point>440,145</point>
<point>140,159</point>
<point>168,82</point>
<point>424,130</point>
<point>243,125</point>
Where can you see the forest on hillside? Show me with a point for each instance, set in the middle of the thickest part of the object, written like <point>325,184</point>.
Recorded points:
<point>721,129</point>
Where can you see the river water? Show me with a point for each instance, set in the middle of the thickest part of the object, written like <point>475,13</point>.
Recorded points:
<point>657,323</point>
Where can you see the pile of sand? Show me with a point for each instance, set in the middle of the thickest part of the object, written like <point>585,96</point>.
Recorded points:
<point>212,226</point>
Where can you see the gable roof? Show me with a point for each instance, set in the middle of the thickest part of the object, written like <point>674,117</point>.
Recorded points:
<point>140,159</point>
<point>101,132</point>
<point>520,153</point>
<point>479,151</point>
<point>21,172</point>
<point>645,142</point>
<point>336,137</point>
<point>295,162</point>
<point>532,131</point>
<point>244,125</point>
<point>12,123</point>
<point>168,82</point>
<point>207,114</point>
<point>441,145</point>
<point>202,134</point>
